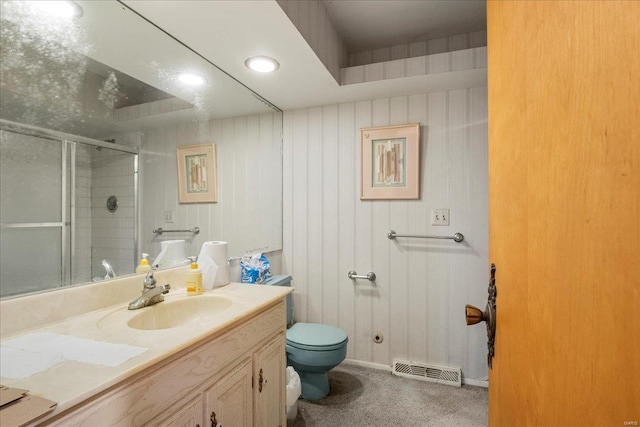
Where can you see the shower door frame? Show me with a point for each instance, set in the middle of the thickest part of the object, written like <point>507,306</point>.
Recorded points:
<point>68,143</point>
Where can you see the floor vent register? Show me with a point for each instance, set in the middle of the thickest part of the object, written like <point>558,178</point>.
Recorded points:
<point>424,372</point>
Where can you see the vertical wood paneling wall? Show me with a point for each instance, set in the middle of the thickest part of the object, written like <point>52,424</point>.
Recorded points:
<point>422,285</point>
<point>248,151</point>
<point>420,48</point>
<point>458,60</point>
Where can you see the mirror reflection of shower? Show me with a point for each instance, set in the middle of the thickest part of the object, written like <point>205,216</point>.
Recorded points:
<point>62,154</point>
<point>110,274</point>
<point>62,231</point>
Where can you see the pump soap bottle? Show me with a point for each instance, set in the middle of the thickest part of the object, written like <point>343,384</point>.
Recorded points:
<point>144,266</point>
<point>194,280</point>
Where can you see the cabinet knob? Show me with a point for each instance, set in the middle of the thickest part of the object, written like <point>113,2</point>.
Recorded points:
<point>214,422</point>
<point>260,381</point>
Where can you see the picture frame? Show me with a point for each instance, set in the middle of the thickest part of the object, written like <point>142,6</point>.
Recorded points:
<point>390,162</point>
<point>197,173</point>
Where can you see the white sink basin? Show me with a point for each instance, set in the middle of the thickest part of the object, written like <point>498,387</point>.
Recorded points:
<point>171,314</point>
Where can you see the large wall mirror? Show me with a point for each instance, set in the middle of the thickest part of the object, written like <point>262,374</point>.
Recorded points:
<point>92,111</point>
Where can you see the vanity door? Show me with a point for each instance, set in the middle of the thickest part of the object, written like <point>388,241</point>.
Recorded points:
<point>190,415</point>
<point>229,402</point>
<point>270,384</point>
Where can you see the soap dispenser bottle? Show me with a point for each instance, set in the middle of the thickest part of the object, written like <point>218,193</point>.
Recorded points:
<point>144,266</point>
<point>194,280</point>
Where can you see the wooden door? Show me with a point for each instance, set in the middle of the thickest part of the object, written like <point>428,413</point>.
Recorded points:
<point>564,174</point>
<point>229,402</point>
<point>269,384</point>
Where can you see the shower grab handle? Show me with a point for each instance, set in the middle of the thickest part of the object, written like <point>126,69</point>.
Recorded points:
<point>370,276</point>
<point>160,230</point>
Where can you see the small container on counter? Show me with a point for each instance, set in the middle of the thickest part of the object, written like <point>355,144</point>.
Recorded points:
<point>194,280</point>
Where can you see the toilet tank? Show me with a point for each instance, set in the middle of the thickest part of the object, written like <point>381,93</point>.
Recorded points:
<point>283,280</point>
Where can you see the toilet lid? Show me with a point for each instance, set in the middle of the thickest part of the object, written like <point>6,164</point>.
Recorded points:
<point>316,336</point>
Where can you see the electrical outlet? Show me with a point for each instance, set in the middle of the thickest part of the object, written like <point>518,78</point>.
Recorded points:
<point>170,216</point>
<point>439,216</point>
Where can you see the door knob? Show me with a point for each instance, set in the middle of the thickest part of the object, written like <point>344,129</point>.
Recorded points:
<point>474,315</point>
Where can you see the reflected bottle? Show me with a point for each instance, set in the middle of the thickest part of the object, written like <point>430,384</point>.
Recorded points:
<point>144,266</point>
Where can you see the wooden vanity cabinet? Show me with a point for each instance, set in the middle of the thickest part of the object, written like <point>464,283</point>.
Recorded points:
<point>269,390</point>
<point>188,416</point>
<point>235,379</point>
<point>229,402</point>
<point>248,395</point>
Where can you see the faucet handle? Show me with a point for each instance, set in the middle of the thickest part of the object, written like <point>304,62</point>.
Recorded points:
<point>149,280</point>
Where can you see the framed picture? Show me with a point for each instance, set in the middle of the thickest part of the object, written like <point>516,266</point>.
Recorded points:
<point>391,162</point>
<point>197,173</point>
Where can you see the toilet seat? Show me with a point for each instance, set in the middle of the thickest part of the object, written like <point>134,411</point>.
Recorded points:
<point>316,337</point>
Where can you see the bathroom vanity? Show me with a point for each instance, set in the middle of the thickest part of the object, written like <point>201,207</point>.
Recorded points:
<point>211,360</point>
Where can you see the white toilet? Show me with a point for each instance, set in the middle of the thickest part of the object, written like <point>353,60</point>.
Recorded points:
<point>313,349</point>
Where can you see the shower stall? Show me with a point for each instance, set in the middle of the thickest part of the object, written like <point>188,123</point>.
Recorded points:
<point>67,203</point>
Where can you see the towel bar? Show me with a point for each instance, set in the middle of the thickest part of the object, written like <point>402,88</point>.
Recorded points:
<point>159,230</point>
<point>457,237</point>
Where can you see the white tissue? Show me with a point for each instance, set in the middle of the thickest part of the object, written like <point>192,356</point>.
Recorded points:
<point>213,261</point>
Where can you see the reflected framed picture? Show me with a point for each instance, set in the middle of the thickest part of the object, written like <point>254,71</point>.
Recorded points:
<point>197,173</point>
<point>390,162</point>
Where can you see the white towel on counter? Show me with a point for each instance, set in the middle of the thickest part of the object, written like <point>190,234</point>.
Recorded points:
<point>48,348</point>
<point>19,364</point>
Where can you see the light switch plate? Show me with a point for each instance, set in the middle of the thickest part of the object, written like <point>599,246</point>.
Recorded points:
<point>439,216</point>
<point>169,216</point>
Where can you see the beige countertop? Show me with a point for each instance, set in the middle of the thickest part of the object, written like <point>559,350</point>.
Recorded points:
<point>71,382</point>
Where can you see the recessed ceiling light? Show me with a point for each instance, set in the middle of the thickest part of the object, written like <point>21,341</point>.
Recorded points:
<point>58,9</point>
<point>191,79</point>
<point>262,64</point>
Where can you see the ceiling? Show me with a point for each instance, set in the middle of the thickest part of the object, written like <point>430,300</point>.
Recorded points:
<point>228,32</point>
<point>366,25</point>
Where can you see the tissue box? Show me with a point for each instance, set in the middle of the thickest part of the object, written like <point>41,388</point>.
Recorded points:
<point>255,269</point>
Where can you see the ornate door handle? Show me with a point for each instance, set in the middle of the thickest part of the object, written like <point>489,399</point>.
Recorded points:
<point>214,422</point>
<point>261,381</point>
<point>474,315</point>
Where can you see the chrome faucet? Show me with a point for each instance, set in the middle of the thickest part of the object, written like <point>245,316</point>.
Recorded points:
<point>151,294</point>
<point>107,267</point>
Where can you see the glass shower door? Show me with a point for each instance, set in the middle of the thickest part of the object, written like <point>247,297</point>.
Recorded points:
<point>34,213</point>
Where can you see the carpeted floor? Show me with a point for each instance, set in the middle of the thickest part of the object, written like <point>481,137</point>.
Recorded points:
<point>369,397</point>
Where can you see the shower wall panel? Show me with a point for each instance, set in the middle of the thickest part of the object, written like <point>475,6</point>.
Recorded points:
<point>112,233</point>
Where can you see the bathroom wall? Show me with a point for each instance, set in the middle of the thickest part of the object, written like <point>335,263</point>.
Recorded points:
<point>418,300</point>
<point>248,212</point>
